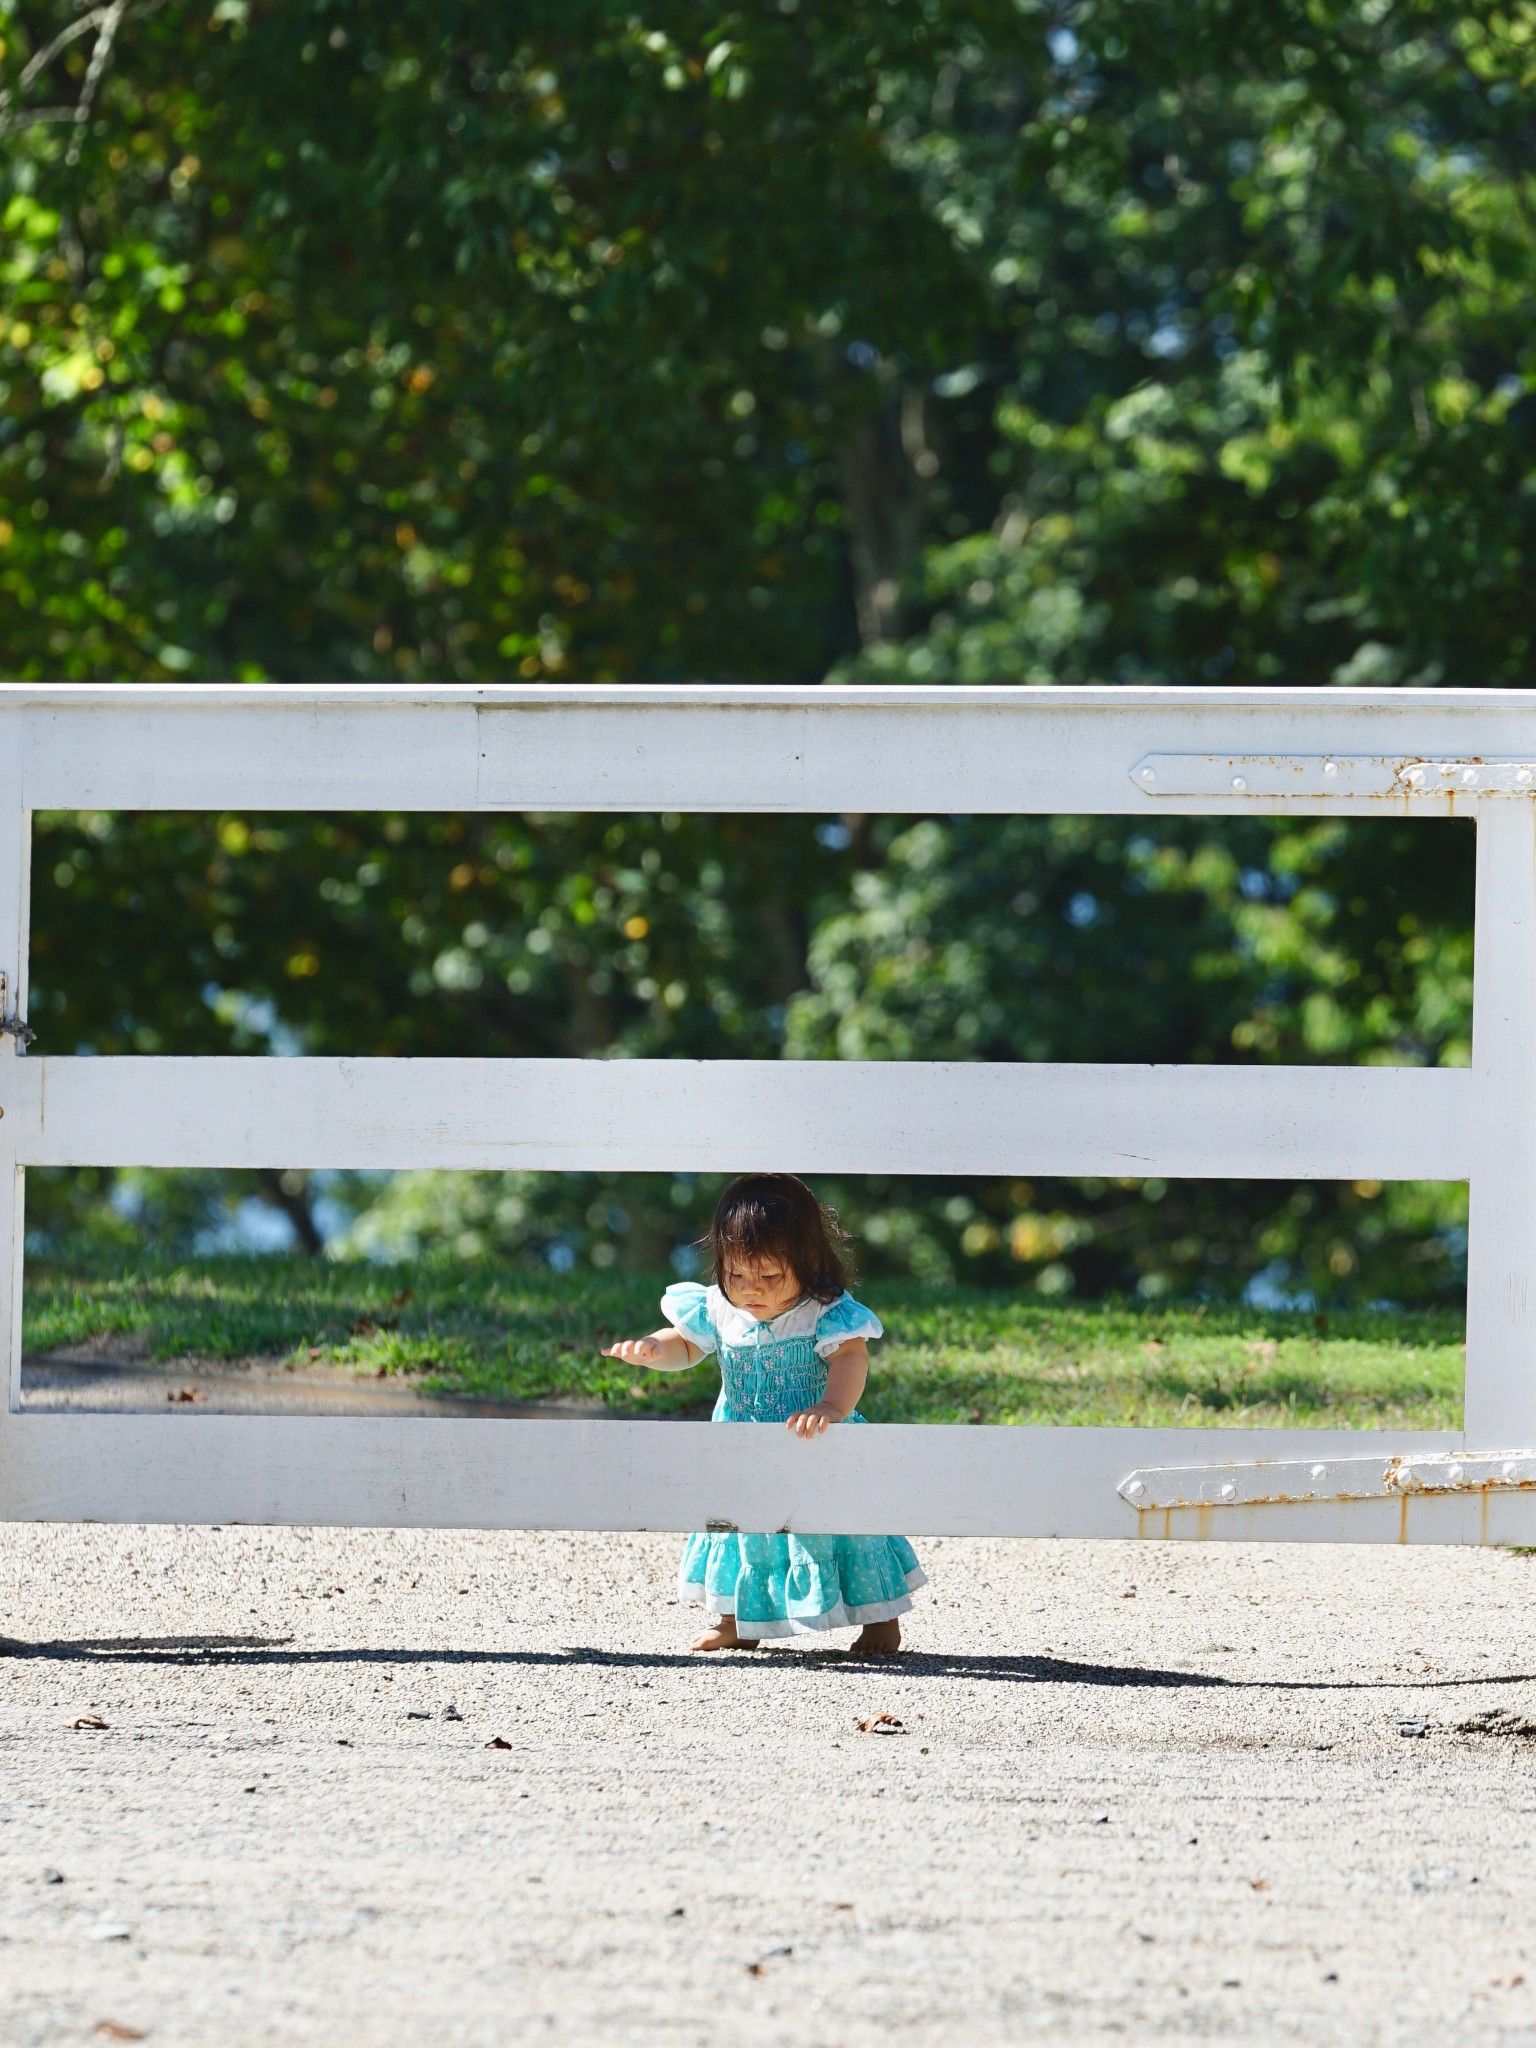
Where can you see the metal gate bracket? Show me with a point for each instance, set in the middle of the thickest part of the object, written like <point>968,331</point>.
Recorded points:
<point>1282,1481</point>
<point>1355,775</point>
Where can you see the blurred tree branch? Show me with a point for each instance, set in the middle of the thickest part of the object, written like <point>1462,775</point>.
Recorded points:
<point>106,22</point>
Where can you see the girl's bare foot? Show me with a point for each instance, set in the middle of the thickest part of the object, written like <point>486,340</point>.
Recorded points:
<point>877,1639</point>
<point>723,1636</point>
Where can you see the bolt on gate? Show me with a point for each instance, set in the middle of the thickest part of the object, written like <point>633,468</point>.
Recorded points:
<point>1122,751</point>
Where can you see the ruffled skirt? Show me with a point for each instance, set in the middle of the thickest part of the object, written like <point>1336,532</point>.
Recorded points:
<point>779,1585</point>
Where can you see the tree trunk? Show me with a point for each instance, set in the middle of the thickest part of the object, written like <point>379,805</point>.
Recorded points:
<point>886,463</point>
<point>290,1193</point>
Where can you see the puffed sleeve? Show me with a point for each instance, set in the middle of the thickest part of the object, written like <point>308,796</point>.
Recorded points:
<point>685,1307</point>
<point>842,1319</point>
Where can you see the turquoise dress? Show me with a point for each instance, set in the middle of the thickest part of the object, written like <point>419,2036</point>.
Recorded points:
<point>783,1585</point>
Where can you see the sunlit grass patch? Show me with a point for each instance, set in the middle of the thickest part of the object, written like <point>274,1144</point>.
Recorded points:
<point>988,1358</point>
<point>951,1355</point>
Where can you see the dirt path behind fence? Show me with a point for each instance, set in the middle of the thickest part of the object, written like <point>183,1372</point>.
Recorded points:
<point>1141,1792</point>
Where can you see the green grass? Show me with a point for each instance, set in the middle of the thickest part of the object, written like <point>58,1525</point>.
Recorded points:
<point>953,1354</point>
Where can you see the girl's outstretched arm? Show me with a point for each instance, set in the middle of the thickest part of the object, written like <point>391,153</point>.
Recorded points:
<point>847,1371</point>
<point>663,1351</point>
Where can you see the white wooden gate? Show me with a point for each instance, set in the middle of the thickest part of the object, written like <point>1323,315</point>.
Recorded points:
<point>1429,754</point>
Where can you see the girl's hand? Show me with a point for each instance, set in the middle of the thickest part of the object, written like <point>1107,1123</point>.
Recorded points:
<point>815,1421</point>
<point>662,1351</point>
<point>635,1351</point>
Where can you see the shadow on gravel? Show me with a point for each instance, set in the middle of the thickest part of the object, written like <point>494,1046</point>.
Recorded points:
<point>194,1652</point>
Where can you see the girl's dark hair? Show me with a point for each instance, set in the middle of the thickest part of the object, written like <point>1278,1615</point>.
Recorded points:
<point>774,1215</point>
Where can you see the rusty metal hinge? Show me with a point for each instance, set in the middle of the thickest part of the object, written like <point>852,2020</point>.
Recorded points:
<point>1285,1481</point>
<point>1354,775</point>
<point>13,1027</point>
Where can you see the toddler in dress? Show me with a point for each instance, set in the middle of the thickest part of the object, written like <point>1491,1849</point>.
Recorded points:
<point>793,1347</point>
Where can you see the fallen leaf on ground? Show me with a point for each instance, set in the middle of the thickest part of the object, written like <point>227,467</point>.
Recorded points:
<point>88,1721</point>
<point>1258,1884</point>
<point>842,1905</point>
<point>498,1742</point>
<point>116,2031</point>
<point>879,1724</point>
<point>756,1970</point>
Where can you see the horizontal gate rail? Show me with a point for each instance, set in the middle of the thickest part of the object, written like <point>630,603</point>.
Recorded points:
<point>1134,752</point>
<point>707,1116</point>
<point>928,1479</point>
<point>258,747</point>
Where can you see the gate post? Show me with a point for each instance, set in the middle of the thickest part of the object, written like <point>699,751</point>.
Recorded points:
<point>15,897</point>
<point>1501,1263</point>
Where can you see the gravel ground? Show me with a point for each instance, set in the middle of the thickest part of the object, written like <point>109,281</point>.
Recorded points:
<point>1152,1791</point>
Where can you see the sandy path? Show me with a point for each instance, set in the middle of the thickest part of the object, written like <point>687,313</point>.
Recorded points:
<point>79,1382</point>
<point>1187,1813</point>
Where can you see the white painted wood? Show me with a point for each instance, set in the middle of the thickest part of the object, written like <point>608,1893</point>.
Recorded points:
<point>1501,1277</point>
<point>813,1116</point>
<point>715,748</point>
<point>15,895</point>
<point>920,1480</point>
<point>12,1237</point>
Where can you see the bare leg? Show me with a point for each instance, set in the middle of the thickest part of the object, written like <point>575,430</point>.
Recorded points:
<point>723,1636</point>
<point>877,1639</point>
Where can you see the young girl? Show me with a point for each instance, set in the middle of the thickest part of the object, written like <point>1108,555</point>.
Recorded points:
<point>793,1348</point>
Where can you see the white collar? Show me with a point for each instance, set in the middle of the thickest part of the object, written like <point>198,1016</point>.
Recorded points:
<point>737,1327</point>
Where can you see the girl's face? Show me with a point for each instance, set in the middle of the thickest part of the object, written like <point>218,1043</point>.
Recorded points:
<point>763,1287</point>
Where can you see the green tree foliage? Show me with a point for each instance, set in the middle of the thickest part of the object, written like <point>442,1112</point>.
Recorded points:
<point>923,341</point>
<point>468,343</point>
<point>1089,938</point>
<point>553,937</point>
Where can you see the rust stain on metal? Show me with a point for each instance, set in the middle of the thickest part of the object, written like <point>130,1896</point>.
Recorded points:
<point>1143,1518</point>
<point>1190,1496</point>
